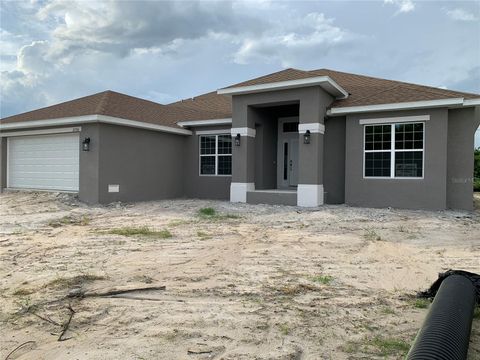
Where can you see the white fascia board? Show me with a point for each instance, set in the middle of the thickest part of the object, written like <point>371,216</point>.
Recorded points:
<point>42,131</point>
<point>323,81</point>
<point>205,122</point>
<point>92,119</point>
<point>213,132</point>
<point>395,106</point>
<point>390,120</point>
<point>471,102</point>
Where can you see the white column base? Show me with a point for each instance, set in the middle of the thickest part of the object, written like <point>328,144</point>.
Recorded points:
<point>238,191</point>
<point>309,195</point>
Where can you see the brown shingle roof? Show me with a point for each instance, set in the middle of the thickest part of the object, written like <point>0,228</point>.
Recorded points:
<point>363,90</point>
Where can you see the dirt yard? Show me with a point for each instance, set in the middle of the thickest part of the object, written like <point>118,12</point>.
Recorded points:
<point>242,281</point>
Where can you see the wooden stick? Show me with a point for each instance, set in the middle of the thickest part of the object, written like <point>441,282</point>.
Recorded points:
<point>18,347</point>
<point>114,292</point>
<point>65,326</point>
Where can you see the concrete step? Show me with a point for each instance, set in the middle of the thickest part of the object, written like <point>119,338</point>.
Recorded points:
<point>272,197</point>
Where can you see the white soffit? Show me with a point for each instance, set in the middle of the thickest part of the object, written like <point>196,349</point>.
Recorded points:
<point>205,122</point>
<point>325,82</point>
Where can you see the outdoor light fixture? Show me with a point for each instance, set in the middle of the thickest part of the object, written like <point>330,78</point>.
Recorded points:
<point>306,137</point>
<point>237,140</point>
<point>86,144</point>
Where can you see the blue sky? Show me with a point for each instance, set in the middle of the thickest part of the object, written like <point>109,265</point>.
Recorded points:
<point>53,51</point>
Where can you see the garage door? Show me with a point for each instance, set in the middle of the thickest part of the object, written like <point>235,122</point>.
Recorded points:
<point>49,162</point>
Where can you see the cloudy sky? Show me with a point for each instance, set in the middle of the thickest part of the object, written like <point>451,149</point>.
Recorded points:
<point>53,51</point>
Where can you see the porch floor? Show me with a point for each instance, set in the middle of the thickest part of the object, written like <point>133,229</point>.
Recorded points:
<point>272,197</point>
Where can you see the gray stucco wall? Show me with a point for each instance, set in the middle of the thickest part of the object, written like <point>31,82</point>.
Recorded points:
<point>426,193</point>
<point>147,165</point>
<point>334,161</point>
<point>462,124</point>
<point>203,187</point>
<point>90,165</point>
<point>3,163</point>
<point>313,103</point>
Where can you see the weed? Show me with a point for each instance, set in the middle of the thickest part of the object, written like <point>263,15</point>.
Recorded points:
<point>297,289</point>
<point>211,214</point>
<point>377,345</point>
<point>140,231</point>
<point>203,235</point>
<point>388,311</point>
<point>371,235</point>
<point>70,220</point>
<point>284,329</point>
<point>23,292</point>
<point>476,313</point>
<point>207,211</point>
<point>421,303</point>
<point>178,222</point>
<point>389,346</point>
<point>322,279</point>
<point>75,281</point>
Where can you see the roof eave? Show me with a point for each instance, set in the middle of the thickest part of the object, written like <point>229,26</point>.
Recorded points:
<point>85,119</point>
<point>325,82</point>
<point>206,122</point>
<point>452,102</point>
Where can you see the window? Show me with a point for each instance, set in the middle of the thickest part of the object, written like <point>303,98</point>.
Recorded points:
<point>394,150</point>
<point>216,155</point>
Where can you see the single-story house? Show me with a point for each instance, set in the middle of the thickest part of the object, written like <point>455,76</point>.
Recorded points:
<point>292,137</point>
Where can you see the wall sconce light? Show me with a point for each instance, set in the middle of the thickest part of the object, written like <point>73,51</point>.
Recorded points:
<point>237,140</point>
<point>86,144</point>
<point>306,137</point>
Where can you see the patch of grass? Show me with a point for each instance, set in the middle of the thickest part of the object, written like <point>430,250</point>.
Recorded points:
<point>70,220</point>
<point>388,311</point>
<point>476,313</point>
<point>372,235</point>
<point>212,214</point>
<point>297,289</point>
<point>203,235</point>
<point>284,329</point>
<point>390,346</point>
<point>178,222</point>
<point>322,279</point>
<point>140,231</point>
<point>421,303</point>
<point>207,211</point>
<point>75,281</point>
<point>377,345</point>
<point>23,292</point>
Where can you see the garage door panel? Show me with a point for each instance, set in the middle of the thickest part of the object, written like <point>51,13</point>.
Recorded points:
<point>48,162</point>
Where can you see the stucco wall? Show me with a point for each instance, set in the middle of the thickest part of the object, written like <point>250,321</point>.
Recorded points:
<point>203,187</point>
<point>462,124</point>
<point>147,165</point>
<point>334,161</point>
<point>426,193</point>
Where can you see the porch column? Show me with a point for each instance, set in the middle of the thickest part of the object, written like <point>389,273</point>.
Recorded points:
<point>243,155</point>
<point>310,179</point>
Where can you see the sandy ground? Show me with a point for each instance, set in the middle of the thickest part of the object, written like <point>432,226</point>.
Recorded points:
<point>269,282</point>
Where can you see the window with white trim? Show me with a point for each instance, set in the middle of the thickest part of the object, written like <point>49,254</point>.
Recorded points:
<point>216,154</point>
<point>394,150</point>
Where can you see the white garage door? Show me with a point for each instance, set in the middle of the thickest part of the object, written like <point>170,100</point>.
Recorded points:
<point>49,162</point>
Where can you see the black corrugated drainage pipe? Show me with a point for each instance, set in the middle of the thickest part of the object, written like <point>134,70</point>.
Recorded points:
<point>445,333</point>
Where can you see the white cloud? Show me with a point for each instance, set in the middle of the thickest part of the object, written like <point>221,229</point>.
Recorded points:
<point>461,15</point>
<point>292,38</point>
<point>404,6</point>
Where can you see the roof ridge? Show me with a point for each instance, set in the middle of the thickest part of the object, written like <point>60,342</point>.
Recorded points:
<point>102,104</point>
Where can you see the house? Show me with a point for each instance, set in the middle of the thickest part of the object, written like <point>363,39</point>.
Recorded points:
<point>292,137</point>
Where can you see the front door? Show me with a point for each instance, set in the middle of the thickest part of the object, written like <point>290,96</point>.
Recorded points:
<point>287,153</point>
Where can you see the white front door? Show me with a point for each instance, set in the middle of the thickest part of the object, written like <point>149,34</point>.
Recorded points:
<point>287,153</point>
<point>46,162</point>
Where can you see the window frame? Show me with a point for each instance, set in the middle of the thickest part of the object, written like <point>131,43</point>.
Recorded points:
<point>215,155</point>
<point>393,151</point>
